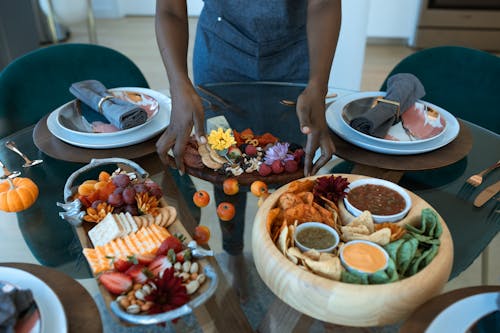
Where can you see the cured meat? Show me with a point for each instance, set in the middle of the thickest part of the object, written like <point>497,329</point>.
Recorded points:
<point>422,122</point>
<point>100,127</point>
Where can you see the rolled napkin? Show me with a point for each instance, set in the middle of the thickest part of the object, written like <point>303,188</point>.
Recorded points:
<point>403,88</point>
<point>117,111</point>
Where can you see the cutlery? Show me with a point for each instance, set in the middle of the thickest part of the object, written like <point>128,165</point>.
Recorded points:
<point>292,103</point>
<point>7,173</point>
<point>28,163</point>
<point>220,100</point>
<point>477,179</point>
<point>487,194</point>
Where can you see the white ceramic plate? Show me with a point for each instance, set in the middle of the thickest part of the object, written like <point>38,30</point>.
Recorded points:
<point>341,128</point>
<point>70,117</point>
<point>461,315</point>
<point>121,138</point>
<point>53,318</point>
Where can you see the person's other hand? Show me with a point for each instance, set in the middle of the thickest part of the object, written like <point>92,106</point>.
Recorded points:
<point>311,114</point>
<point>187,111</point>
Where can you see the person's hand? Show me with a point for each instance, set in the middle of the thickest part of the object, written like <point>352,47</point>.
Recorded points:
<point>311,114</point>
<point>187,111</point>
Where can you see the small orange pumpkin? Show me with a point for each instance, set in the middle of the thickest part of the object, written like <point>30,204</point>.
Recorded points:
<point>17,194</point>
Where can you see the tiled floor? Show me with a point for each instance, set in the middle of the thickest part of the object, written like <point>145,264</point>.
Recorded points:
<point>134,36</point>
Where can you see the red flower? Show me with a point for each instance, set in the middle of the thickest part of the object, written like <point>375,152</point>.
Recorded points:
<point>169,293</point>
<point>329,187</point>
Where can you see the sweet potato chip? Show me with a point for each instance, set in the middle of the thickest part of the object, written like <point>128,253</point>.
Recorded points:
<point>396,230</point>
<point>306,197</point>
<point>288,200</point>
<point>301,186</point>
<point>272,217</point>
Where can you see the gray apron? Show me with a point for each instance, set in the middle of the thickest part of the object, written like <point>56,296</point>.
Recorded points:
<point>256,40</point>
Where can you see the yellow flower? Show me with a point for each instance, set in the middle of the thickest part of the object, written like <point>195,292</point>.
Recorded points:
<point>220,139</point>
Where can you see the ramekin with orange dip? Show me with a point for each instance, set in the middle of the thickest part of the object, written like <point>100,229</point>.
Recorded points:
<point>363,256</point>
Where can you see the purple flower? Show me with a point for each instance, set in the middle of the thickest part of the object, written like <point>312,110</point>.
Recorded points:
<point>278,152</point>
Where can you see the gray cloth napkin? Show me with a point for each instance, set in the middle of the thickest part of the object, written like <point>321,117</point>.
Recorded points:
<point>118,112</point>
<point>404,88</point>
<point>12,303</point>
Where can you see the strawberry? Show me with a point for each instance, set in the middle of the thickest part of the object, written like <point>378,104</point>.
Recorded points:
<point>291,166</point>
<point>144,259</point>
<point>115,282</point>
<point>251,150</point>
<point>160,264</point>
<point>277,167</point>
<point>122,265</point>
<point>171,242</point>
<point>183,256</point>
<point>265,169</point>
<point>139,273</point>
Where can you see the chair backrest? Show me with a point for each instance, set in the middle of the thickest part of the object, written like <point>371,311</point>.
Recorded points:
<point>38,82</point>
<point>463,81</point>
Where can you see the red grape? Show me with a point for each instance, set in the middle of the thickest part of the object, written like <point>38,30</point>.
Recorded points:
<point>129,195</point>
<point>156,191</point>
<point>132,209</point>
<point>121,180</point>
<point>115,199</point>
<point>140,188</point>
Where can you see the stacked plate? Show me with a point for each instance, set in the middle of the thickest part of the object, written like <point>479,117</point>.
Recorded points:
<point>405,138</point>
<point>70,124</point>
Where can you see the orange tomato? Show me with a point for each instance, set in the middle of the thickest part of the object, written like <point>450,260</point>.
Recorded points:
<point>201,234</point>
<point>258,188</point>
<point>226,211</point>
<point>230,186</point>
<point>201,198</point>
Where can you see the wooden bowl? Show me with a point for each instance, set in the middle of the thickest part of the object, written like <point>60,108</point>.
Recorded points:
<point>344,303</point>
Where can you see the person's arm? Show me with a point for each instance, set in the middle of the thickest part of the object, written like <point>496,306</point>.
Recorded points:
<point>172,34</point>
<point>323,27</point>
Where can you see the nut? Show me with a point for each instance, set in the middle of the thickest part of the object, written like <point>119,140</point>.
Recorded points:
<point>139,295</point>
<point>184,276</point>
<point>134,308</point>
<point>186,266</point>
<point>201,278</point>
<point>192,286</point>
<point>177,266</point>
<point>194,268</point>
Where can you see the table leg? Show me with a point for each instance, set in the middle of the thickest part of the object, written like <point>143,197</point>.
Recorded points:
<point>366,170</point>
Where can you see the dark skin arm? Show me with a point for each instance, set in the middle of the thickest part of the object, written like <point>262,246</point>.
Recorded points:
<point>172,32</point>
<point>323,27</point>
<point>172,36</point>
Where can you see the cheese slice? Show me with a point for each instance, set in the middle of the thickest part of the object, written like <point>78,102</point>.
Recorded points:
<point>105,231</point>
<point>131,221</point>
<point>124,222</point>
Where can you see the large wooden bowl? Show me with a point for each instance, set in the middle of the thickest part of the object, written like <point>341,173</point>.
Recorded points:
<point>344,303</point>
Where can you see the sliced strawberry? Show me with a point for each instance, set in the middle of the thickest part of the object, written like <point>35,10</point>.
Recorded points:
<point>171,242</point>
<point>183,256</point>
<point>139,273</point>
<point>145,259</point>
<point>122,265</point>
<point>160,264</point>
<point>116,282</point>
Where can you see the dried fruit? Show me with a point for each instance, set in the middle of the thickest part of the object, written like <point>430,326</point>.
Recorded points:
<point>99,213</point>
<point>147,204</point>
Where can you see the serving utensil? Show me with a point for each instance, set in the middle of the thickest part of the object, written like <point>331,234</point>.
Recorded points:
<point>477,179</point>
<point>487,194</point>
<point>292,103</point>
<point>7,173</point>
<point>28,163</point>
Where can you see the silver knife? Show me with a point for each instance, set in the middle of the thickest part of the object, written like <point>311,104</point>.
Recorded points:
<point>487,194</point>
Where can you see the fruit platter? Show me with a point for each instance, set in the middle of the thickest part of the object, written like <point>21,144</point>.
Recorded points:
<point>354,270</point>
<point>246,155</point>
<point>148,268</point>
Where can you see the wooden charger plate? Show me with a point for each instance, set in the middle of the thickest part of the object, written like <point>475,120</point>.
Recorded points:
<point>344,303</point>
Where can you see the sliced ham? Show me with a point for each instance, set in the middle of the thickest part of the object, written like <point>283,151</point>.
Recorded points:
<point>100,127</point>
<point>422,122</point>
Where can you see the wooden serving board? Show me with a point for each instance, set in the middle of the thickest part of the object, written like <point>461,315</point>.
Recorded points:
<point>175,228</point>
<point>344,303</point>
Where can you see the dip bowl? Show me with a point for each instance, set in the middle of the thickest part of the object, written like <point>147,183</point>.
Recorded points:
<point>384,199</point>
<point>351,253</point>
<point>321,231</point>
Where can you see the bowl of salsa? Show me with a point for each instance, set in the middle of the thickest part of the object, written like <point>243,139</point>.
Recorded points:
<point>386,201</point>
<point>316,235</point>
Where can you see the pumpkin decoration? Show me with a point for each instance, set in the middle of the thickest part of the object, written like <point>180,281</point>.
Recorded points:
<point>17,194</point>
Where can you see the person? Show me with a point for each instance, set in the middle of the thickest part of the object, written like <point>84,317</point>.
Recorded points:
<point>259,40</point>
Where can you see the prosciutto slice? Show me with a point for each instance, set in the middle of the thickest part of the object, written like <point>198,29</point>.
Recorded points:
<point>422,122</point>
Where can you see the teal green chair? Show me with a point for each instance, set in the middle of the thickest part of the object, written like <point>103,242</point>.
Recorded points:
<point>38,82</point>
<point>463,81</point>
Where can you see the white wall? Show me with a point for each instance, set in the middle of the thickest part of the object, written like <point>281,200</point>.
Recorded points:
<point>392,18</point>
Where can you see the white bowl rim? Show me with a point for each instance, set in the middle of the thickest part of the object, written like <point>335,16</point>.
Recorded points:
<point>321,225</point>
<point>355,241</point>
<point>377,181</point>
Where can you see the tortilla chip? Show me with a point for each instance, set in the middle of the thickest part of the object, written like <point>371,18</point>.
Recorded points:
<point>397,231</point>
<point>283,240</point>
<point>366,219</point>
<point>312,254</point>
<point>381,237</point>
<point>331,269</point>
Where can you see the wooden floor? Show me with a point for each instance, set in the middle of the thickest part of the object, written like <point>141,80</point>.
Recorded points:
<point>134,36</point>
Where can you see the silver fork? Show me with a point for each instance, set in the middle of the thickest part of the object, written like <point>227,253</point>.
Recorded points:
<point>27,162</point>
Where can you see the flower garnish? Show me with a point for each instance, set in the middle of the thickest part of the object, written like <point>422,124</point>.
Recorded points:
<point>169,293</point>
<point>329,187</point>
<point>278,152</point>
<point>220,139</point>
